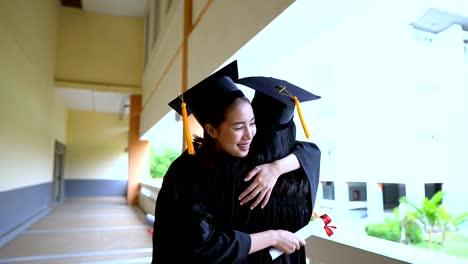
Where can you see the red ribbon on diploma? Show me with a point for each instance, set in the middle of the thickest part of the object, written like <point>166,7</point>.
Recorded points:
<point>327,220</point>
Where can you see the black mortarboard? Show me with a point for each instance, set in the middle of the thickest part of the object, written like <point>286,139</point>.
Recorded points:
<point>211,95</point>
<point>286,96</point>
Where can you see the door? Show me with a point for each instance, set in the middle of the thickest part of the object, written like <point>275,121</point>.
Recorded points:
<point>59,169</point>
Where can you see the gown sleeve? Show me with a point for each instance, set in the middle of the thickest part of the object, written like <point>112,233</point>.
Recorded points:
<point>185,225</point>
<point>216,246</point>
<point>308,155</point>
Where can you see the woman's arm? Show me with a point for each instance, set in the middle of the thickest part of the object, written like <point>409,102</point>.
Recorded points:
<point>283,241</point>
<point>266,177</point>
<point>305,155</point>
<point>211,244</point>
<point>309,156</point>
<point>229,246</point>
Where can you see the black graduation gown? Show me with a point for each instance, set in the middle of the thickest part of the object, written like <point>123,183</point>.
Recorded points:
<point>292,200</point>
<point>183,227</point>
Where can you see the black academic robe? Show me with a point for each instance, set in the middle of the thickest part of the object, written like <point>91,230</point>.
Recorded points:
<point>198,218</point>
<point>183,228</point>
<point>292,200</point>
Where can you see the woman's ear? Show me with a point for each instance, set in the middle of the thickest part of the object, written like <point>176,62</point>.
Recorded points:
<point>211,130</point>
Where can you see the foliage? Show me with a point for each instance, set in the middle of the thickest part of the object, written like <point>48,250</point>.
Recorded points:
<point>413,232</point>
<point>444,220</point>
<point>394,229</point>
<point>459,220</point>
<point>456,245</point>
<point>160,162</point>
<point>386,231</point>
<point>410,231</point>
<point>429,214</point>
<point>434,219</point>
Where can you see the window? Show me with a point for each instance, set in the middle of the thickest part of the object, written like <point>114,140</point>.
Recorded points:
<point>328,190</point>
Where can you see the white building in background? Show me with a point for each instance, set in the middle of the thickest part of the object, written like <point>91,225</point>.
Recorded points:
<point>400,100</point>
<point>393,76</point>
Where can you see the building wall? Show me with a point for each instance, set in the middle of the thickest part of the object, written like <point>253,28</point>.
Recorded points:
<point>96,159</point>
<point>162,76</point>
<point>223,29</point>
<point>98,48</point>
<point>59,120</point>
<point>32,117</point>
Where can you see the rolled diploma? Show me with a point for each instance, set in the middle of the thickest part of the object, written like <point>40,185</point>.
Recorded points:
<point>303,233</point>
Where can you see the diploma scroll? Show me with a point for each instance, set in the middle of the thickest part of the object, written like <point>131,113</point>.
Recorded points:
<point>305,232</point>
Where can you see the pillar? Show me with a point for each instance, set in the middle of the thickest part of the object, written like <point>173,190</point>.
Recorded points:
<point>342,197</point>
<point>137,151</point>
<point>415,192</point>
<point>375,206</point>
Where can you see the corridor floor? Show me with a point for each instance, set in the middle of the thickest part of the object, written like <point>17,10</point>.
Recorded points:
<point>94,230</point>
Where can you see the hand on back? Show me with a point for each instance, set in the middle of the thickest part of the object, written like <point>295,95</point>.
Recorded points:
<point>261,187</point>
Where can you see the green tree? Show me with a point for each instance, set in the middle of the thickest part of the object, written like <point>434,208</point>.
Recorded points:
<point>410,231</point>
<point>428,214</point>
<point>459,220</point>
<point>160,162</point>
<point>445,220</point>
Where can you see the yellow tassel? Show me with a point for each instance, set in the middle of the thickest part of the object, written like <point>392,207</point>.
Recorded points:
<point>299,111</point>
<point>188,136</point>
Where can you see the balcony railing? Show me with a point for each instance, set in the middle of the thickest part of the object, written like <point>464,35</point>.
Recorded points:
<point>344,246</point>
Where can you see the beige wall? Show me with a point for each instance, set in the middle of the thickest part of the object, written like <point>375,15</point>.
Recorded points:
<point>59,120</point>
<point>163,68</point>
<point>96,146</point>
<point>99,48</point>
<point>29,120</point>
<point>224,28</point>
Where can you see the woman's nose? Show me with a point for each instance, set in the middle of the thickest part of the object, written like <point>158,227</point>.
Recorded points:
<point>248,133</point>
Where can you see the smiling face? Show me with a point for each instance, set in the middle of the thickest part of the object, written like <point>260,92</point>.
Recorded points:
<point>236,132</point>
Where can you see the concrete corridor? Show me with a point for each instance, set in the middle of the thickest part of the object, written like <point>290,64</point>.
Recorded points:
<point>92,230</point>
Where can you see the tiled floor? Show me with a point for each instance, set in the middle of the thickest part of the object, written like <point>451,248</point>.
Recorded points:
<point>101,230</point>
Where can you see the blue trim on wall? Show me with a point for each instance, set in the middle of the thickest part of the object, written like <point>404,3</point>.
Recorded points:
<point>20,205</point>
<point>95,188</point>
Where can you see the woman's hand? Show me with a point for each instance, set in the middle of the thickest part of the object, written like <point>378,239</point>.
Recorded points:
<point>287,242</point>
<point>261,187</point>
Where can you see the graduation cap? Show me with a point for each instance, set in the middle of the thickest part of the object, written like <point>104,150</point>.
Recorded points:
<point>211,95</point>
<point>285,93</point>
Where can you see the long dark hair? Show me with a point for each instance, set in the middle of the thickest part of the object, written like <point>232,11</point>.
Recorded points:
<point>275,139</point>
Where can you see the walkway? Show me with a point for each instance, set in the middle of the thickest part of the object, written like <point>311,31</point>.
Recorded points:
<point>101,230</point>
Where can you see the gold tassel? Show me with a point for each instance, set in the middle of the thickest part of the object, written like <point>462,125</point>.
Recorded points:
<point>299,111</point>
<point>188,136</point>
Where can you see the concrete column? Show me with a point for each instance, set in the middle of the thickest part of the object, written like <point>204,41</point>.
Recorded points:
<point>137,151</point>
<point>375,208</point>
<point>319,197</point>
<point>455,199</point>
<point>341,197</point>
<point>415,192</point>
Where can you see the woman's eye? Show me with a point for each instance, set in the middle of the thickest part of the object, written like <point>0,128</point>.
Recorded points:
<point>252,124</point>
<point>238,128</point>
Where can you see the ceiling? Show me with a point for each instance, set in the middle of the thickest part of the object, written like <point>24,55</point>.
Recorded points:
<point>109,7</point>
<point>94,101</point>
<point>87,100</point>
<point>115,7</point>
